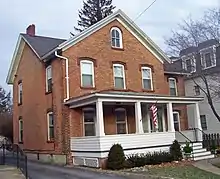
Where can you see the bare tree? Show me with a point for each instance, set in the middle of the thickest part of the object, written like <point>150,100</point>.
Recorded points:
<point>191,33</point>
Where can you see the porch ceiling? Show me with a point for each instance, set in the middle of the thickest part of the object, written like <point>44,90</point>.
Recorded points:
<point>130,97</point>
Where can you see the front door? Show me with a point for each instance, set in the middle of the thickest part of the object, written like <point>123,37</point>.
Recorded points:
<point>176,119</point>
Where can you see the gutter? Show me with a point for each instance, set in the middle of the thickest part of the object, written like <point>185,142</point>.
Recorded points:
<point>67,75</point>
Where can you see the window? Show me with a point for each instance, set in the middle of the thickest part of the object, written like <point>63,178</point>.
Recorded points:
<point>20,125</point>
<point>87,73</point>
<point>208,59</point>
<point>189,63</point>
<point>119,76</point>
<point>49,79</point>
<point>173,87</point>
<point>197,90</point>
<point>20,93</point>
<point>176,119</point>
<point>116,37</point>
<point>50,123</point>
<point>203,122</point>
<point>147,78</point>
<point>89,122</point>
<point>121,121</point>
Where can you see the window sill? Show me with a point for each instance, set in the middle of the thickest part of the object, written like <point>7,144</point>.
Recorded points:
<point>49,92</point>
<point>119,89</point>
<point>149,91</point>
<point>50,141</point>
<point>88,88</point>
<point>118,48</point>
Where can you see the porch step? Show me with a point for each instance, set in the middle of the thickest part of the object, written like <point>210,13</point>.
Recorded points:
<point>200,153</point>
<point>203,157</point>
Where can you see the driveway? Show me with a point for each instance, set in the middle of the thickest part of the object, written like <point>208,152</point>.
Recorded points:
<point>37,170</point>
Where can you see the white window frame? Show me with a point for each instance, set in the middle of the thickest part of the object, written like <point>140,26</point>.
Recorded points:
<point>47,76</point>
<point>178,114</point>
<point>123,74</point>
<point>202,122</point>
<point>48,126</point>
<point>151,77</point>
<point>192,59</point>
<point>121,122</point>
<point>19,126</point>
<point>170,79</point>
<point>203,52</point>
<point>84,123</point>
<point>120,37</point>
<point>20,93</point>
<point>81,74</point>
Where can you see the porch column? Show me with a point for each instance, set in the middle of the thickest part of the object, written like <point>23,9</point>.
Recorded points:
<point>138,118</point>
<point>197,121</point>
<point>100,131</point>
<point>170,118</point>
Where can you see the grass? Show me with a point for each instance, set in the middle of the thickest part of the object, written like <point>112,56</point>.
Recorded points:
<point>182,172</point>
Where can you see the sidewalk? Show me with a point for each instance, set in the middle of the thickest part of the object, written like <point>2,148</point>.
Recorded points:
<point>207,166</point>
<point>7,172</point>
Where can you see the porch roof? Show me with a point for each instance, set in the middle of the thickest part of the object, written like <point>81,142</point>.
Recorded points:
<point>122,96</point>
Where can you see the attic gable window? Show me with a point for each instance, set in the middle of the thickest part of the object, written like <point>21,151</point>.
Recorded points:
<point>116,37</point>
<point>20,92</point>
<point>208,57</point>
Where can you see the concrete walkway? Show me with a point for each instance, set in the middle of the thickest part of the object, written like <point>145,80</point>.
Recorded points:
<point>207,165</point>
<point>10,173</point>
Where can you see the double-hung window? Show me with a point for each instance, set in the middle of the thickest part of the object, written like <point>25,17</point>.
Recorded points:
<point>20,125</point>
<point>119,76</point>
<point>89,122</point>
<point>147,81</point>
<point>87,73</point>
<point>121,121</point>
<point>173,86</point>
<point>116,38</point>
<point>49,79</point>
<point>50,123</point>
<point>20,93</point>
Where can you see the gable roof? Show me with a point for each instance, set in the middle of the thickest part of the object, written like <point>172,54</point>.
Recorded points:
<point>42,45</point>
<point>128,24</point>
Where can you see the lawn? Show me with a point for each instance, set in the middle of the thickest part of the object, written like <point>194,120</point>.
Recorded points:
<point>181,172</point>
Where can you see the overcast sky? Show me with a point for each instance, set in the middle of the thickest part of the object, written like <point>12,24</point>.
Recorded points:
<point>57,18</point>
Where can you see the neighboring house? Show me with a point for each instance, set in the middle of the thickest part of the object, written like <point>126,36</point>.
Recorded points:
<point>73,99</point>
<point>204,59</point>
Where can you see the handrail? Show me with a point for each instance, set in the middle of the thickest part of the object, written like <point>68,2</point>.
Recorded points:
<point>189,141</point>
<point>199,130</point>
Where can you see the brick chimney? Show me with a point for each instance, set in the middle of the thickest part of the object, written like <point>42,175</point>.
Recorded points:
<point>31,30</point>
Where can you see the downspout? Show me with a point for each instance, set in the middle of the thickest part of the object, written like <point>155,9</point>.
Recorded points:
<point>67,75</point>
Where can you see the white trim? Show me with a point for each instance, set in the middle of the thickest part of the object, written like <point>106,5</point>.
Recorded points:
<point>178,115</point>
<point>81,65</point>
<point>47,77</point>
<point>212,52</point>
<point>120,122</point>
<point>151,77</point>
<point>48,125</point>
<point>119,15</point>
<point>174,79</point>
<point>123,74</point>
<point>120,37</point>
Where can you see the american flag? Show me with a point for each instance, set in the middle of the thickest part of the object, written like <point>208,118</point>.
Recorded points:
<point>154,112</point>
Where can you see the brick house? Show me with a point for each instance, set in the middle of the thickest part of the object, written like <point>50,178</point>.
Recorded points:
<point>73,99</point>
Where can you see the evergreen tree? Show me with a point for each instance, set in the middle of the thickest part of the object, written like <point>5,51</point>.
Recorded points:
<point>93,11</point>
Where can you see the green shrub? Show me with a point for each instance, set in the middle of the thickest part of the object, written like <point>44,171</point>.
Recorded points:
<point>139,160</point>
<point>175,151</point>
<point>116,158</point>
<point>187,149</point>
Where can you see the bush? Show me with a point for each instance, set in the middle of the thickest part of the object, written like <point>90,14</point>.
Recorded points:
<point>175,151</point>
<point>116,157</point>
<point>139,160</point>
<point>187,149</point>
